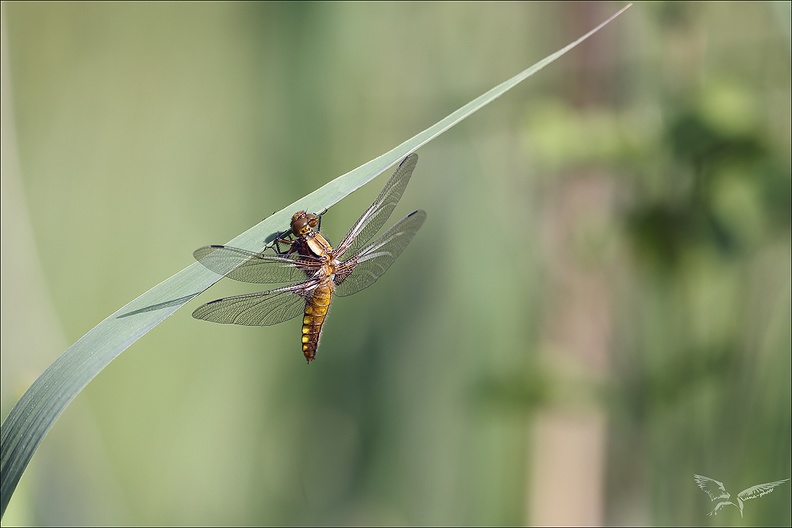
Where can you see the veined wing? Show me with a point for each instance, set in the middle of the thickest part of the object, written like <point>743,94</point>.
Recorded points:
<point>760,489</point>
<point>380,210</point>
<point>711,487</point>
<point>362,270</point>
<point>258,309</point>
<point>248,266</point>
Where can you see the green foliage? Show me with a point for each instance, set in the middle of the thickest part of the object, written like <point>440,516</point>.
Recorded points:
<point>608,251</point>
<point>35,413</point>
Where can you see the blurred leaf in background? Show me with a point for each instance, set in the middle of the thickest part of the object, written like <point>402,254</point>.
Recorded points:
<point>600,298</point>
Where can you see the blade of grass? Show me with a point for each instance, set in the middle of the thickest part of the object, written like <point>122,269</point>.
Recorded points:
<point>39,407</point>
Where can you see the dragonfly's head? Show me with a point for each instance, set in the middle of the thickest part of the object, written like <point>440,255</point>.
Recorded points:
<point>303,224</point>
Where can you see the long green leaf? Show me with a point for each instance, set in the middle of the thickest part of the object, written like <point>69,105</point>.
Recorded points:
<point>36,412</point>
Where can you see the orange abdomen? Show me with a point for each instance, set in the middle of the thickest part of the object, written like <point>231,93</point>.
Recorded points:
<point>315,313</point>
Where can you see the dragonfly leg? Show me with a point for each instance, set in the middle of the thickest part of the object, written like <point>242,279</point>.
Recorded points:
<point>319,215</point>
<point>280,240</point>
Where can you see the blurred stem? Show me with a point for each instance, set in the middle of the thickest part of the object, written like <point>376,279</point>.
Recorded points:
<point>567,454</point>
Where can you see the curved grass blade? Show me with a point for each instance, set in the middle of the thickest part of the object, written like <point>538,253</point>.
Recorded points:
<point>39,407</point>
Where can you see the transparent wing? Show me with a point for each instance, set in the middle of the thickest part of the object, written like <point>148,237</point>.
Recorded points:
<point>257,309</point>
<point>380,210</point>
<point>711,487</point>
<point>760,489</point>
<point>362,270</point>
<point>248,266</point>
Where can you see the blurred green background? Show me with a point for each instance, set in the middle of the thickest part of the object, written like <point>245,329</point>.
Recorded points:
<point>597,308</point>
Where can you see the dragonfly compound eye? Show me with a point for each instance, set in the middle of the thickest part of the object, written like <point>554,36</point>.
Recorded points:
<point>300,223</point>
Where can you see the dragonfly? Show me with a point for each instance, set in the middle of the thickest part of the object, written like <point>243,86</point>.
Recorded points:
<point>311,269</point>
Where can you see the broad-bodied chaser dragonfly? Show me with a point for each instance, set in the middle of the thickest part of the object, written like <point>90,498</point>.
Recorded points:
<point>313,269</point>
